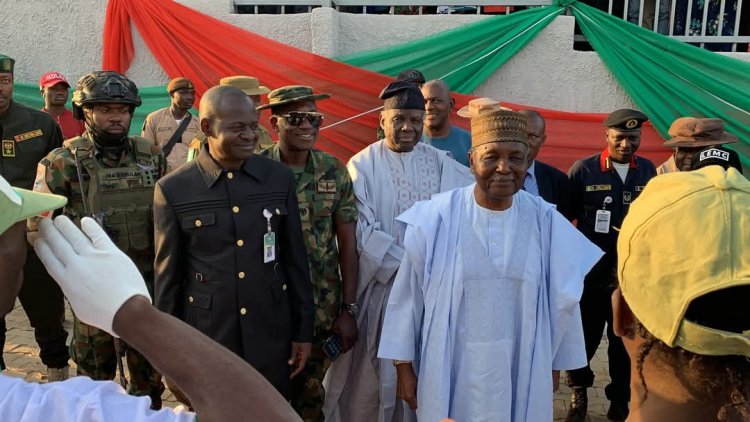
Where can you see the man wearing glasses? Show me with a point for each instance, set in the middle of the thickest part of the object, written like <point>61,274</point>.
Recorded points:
<point>329,215</point>
<point>230,260</point>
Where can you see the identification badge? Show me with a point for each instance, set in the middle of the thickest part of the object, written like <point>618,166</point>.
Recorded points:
<point>269,247</point>
<point>269,240</point>
<point>9,148</point>
<point>603,218</point>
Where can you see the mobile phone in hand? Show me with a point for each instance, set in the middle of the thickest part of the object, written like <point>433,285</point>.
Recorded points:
<point>332,347</point>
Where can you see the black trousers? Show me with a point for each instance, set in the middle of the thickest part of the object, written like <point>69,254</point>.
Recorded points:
<point>596,311</point>
<point>44,304</point>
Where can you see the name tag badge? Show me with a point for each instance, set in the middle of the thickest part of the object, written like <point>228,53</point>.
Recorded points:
<point>603,217</point>
<point>28,135</point>
<point>9,148</point>
<point>327,186</point>
<point>269,247</point>
<point>269,240</point>
<point>598,188</point>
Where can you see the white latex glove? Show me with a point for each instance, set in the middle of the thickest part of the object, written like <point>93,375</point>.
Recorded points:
<point>96,277</point>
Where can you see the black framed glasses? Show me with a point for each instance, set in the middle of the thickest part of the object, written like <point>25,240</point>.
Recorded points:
<point>295,118</point>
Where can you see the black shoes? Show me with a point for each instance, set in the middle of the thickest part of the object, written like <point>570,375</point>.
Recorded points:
<point>618,410</point>
<point>579,403</point>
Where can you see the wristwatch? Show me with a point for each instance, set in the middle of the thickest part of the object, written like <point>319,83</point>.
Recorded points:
<point>351,308</point>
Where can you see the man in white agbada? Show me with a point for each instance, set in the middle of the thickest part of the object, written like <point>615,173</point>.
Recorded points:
<point>389,176</point>
<point>485,304</point>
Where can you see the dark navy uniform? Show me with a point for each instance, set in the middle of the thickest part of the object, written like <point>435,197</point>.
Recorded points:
<point>28,136</point>
<point>595,185</point>
<point>214,269</point>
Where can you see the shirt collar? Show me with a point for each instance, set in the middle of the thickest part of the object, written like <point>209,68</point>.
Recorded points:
<point>311,166</point>
<point>211,170</point>
<point>531,170</point>
<point>605,161</point>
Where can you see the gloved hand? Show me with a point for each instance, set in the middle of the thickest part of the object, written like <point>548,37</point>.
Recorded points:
<point>96,277</point>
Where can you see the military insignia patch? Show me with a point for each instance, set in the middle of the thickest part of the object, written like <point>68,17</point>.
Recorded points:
<point>28,135</point>
<point>627,197</point>
<point>639,188</point>
<point>630,124</point>
<point>598,188</point>
<point>304,213</point>
<point>9,148</point>
<point>328,186</point>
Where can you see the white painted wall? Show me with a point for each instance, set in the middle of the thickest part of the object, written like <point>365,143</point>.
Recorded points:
<point>45,35</point>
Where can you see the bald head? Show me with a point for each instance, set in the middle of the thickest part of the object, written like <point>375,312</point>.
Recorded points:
<point>230,122</point>
<point>536,131</point>
<point>212,101</point>
<point>438,105</point>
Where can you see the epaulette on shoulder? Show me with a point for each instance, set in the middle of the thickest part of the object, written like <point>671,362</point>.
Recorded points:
<point>77,142</point>
<point>145,146</point>
<point>58,157</point>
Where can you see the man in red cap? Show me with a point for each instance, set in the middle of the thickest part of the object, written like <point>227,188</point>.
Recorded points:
<point>55,90</point>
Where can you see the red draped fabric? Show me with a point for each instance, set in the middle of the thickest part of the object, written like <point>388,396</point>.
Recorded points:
<point>205,49</point>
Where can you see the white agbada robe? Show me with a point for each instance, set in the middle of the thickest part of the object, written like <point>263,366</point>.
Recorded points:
<point>78,399</point>
<point>486,305</point>
<point>359,387</point>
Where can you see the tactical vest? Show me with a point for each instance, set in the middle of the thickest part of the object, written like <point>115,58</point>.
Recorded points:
<point>120,198</point>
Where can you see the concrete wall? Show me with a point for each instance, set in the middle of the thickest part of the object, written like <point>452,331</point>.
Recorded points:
<point>65,35</point>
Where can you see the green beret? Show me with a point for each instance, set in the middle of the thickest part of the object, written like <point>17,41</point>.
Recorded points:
<point>6,64</point>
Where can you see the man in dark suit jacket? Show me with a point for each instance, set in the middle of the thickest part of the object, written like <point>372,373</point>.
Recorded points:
<point>541,178</point>
<point>230,259</point>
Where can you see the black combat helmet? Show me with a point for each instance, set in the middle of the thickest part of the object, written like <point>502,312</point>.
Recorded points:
<point>104,87</point>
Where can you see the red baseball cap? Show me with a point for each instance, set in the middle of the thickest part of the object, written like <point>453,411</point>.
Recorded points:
<point>51,79</point>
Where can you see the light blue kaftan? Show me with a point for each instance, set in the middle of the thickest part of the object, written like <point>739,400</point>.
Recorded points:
<point>486,304</point>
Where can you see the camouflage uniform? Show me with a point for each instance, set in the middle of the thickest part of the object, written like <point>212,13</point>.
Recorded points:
<point>117,200</point>
<point>326,197</point>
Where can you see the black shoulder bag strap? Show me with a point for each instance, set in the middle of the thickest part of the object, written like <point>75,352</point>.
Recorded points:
<point>167,148</point>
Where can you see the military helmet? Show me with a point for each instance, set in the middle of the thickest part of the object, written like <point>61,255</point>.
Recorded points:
<point>104,87</point>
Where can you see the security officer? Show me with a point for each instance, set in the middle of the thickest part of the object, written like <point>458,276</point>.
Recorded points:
<point>602,187</point>
<point>329,216</point>
<point>28,136</point>
<point>110,176</point>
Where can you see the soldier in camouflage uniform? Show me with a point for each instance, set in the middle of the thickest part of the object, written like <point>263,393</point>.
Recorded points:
<point>110,176</point>
<point>328,213</point>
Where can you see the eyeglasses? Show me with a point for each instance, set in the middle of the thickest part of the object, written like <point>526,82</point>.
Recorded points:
<point>295,118</point>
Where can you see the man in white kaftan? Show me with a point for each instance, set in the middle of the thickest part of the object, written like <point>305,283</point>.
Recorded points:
<point>485,304</point>
<point>389,176</point>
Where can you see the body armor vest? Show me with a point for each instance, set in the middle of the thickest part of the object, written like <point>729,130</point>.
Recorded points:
<point>120,198</point>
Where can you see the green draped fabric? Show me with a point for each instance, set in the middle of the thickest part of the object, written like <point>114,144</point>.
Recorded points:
<point>154,98</point>
<point>464,56</point>
<point>667,78</point>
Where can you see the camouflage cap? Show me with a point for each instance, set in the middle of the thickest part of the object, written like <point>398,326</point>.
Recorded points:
<point>291,94</point>
<point>6,64</point>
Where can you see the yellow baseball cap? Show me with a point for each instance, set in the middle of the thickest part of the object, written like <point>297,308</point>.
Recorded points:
<point>18,204</point>
<point>687,235</point>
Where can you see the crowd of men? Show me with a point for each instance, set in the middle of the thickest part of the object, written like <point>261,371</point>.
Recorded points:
<point>440,273</point>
